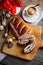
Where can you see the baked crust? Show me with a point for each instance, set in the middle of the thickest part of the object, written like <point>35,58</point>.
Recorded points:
<point>20,27</point>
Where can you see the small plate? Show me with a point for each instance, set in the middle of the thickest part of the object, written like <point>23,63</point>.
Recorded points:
<point>18,9</point>
<point>35,18</point>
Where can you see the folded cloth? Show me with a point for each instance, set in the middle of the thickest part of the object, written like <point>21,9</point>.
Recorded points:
<point>2,56</point>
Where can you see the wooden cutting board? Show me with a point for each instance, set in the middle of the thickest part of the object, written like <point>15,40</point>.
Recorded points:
<point>17,50</point>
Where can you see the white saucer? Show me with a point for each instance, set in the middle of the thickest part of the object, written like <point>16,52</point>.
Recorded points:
<point>35,18</point>
<point>18,9</point>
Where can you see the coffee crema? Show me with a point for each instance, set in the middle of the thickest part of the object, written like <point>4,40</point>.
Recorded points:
<point>31,10</point>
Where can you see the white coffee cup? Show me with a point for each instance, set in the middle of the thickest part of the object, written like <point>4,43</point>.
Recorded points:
<point>31,11</point>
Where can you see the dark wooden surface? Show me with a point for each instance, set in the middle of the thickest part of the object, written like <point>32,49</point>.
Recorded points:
<point>38,60</point>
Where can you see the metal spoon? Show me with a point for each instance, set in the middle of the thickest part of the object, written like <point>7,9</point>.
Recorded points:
<point>36,5</point>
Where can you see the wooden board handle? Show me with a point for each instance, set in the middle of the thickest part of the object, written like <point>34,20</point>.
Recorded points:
<point>41,43</point>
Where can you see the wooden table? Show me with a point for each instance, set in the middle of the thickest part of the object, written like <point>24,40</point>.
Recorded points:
<point>9,60</point>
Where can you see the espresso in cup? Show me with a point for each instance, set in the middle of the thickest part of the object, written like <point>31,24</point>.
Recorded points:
<point>31,10</point>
